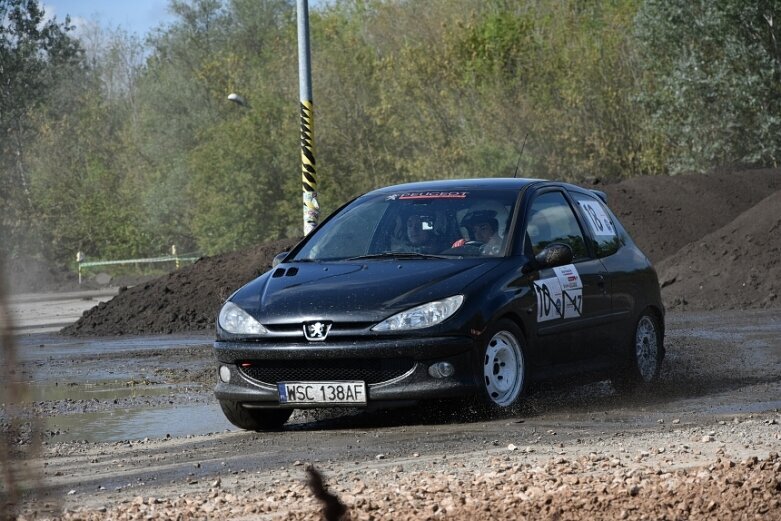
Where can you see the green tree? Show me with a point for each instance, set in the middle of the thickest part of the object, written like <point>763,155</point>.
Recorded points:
<point>242,180</point>
<point>244,184</point>
<point>140,137</point>
<point>565,71</point>
<point>83,193</point>
<point>713,81</point>
<point>35,53</point>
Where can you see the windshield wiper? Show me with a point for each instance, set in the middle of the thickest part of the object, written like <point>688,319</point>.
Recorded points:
<point>398,255</point>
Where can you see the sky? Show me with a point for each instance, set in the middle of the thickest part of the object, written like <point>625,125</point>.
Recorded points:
<point>136,16</point>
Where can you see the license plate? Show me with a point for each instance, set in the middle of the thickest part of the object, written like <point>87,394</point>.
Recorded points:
<point>322,392</point>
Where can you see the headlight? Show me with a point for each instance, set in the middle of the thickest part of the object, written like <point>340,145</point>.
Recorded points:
<point>235,320</point>
<point>419,317</point>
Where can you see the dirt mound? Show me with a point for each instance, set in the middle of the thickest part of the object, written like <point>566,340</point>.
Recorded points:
<point>185,300</point>
<point>737,266</point>
<point>664,214</point>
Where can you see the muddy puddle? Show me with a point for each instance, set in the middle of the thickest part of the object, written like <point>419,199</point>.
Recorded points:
<point>110,390</point>
<point>48,346</point>
<point>117,410</point>
<point>124,388</point>
<point>137,424</point>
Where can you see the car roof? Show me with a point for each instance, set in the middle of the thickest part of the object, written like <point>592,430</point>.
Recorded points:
<point>491,183</point>
<point>487,183</point>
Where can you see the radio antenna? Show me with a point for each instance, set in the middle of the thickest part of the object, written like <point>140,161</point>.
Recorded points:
<point>518,164</point>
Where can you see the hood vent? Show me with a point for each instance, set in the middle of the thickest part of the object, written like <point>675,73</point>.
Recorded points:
<point>280,272</point>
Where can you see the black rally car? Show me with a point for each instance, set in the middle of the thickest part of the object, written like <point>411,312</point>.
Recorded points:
<point>441,289</point>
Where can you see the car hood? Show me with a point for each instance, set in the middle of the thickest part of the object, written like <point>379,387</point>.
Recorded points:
<point>354,291</point>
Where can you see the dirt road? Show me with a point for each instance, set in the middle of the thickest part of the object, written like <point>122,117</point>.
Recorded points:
<point>131,429</point>
<point>50,312</point>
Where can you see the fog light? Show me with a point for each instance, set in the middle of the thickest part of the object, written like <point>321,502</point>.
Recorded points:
<point>225,373</point>
<point>441,370</point>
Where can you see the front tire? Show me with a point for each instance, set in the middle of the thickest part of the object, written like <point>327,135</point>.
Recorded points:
<point>502,367</point>
<point>255,419</point>
<point>644,355</point>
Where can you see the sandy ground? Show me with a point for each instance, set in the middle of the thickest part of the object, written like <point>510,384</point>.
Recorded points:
<point>50,312</point>
<point>129,430</point>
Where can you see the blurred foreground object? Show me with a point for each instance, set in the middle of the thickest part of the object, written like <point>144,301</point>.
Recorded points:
<point>16,448</point>
<point>333,508</point>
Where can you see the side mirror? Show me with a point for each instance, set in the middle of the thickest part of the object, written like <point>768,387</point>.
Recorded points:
<point>556,254</point>
<point>279,258</point>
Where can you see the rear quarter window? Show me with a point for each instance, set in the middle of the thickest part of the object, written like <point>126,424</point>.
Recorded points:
<point>600,225</point>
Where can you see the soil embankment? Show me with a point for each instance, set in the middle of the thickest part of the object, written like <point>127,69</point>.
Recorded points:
<point>185,300</point>
<point>715,239</point>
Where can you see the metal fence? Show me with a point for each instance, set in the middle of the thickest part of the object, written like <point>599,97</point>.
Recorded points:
<point>176,259</point>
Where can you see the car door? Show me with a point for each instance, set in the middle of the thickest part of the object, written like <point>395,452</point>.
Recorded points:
<point>572,301</point>
<point>619,261</point>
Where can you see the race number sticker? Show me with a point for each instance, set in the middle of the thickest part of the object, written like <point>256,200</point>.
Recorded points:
<point>560,296</point>
<point>597,219</point>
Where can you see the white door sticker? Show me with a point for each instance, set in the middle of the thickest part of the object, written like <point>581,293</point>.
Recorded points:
<point>597,219</point>
<point>560,296</point>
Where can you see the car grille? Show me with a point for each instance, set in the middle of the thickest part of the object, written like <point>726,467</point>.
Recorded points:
<point>367,370</point>
<point>337,328</point>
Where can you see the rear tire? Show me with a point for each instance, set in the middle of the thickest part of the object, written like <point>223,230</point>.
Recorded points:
<point>502,367</point>
<point>255,419</point>
<point>644,354</point>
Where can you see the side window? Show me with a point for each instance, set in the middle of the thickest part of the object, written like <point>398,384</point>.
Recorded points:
<point>551,220</point>
<point>606,239</point>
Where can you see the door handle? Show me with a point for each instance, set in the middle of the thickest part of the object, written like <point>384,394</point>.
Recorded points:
<point>601,283</point>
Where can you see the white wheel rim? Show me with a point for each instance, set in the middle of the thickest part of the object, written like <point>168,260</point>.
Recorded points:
<point>503,368</point>
<point>646,349</point>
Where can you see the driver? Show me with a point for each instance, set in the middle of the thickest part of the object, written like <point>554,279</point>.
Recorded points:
<point>484,228</point>
<point>420,234</point>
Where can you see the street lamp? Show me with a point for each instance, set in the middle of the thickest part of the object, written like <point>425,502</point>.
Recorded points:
<point>308,165</point>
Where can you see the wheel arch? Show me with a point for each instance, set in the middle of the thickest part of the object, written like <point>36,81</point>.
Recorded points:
<point>515,318</point>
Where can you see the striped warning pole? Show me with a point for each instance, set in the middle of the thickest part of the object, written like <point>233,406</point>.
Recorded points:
<point>308,170</point>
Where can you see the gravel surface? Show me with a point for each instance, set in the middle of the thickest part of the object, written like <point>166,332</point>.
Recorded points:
<point>678,470</point>
<point>700,445</point>
<point>593,486</point>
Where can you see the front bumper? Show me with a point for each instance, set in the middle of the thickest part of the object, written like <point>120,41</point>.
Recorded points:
<point>412,385</point>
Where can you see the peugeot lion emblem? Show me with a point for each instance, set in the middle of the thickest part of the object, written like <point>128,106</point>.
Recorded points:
<point>316,331</point>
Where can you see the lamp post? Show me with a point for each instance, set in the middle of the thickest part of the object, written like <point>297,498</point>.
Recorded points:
<point>238,99</point>
<point>308,171</point>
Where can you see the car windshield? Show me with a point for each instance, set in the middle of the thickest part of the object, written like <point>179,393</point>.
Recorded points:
<point>416,225</point>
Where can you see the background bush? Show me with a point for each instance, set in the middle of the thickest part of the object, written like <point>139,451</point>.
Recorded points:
<point>120,147</point>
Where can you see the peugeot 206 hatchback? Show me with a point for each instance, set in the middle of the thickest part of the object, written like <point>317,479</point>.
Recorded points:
<point>469,288</point>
